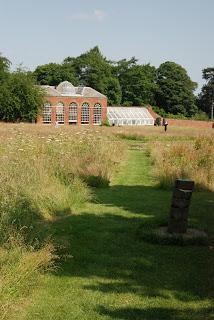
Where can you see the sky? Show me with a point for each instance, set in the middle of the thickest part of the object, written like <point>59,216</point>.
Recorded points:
<point>35,32</point>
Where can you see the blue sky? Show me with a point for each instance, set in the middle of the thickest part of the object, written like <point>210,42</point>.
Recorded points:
<point>35,32</point>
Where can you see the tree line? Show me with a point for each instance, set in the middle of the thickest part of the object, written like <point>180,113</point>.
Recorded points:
<point>20,97</point>
<point>168,88</point>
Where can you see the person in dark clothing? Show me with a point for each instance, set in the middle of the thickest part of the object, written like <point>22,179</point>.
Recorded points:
<point>165,126</point>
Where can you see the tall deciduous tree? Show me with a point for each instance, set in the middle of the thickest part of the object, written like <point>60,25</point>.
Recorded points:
<point>137,82</point>
<point>206,97</point>
<point>53,73</point>
<point>175,89</point>
<point>4,67</point>
<point>94,70</point>
<point>20,98</point>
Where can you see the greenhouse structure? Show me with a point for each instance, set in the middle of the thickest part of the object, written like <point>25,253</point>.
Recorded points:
<point>129,116</point>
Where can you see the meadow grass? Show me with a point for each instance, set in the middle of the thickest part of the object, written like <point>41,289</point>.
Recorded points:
<point>186,153</point>
<point>187,160</point>
<point>152,133</point>
<point>104,268</point>
<point>106,271</point>
<point>45,173</point>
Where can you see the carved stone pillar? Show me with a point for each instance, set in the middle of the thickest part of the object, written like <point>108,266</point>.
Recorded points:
<point>182,193</point>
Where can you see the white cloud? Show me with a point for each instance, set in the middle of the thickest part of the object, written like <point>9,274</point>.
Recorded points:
<point>96,15</point>
<point>99,14</point>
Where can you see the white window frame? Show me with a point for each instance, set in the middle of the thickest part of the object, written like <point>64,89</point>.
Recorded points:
<point>85,113</point>
<point>60,113</point>
<point>97,116</point>
<point>73,112</point>
<point>47,112</point>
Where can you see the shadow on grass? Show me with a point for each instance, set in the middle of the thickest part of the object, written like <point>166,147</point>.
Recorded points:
<point>136,199</point>
<point>105,248</point>
<point>158,313</point>
<point>106,245</point>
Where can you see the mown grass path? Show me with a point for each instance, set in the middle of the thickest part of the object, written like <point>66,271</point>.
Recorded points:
<point>112,274</point>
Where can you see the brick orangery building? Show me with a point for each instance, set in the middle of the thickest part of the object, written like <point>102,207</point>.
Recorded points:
<point>66,104</point>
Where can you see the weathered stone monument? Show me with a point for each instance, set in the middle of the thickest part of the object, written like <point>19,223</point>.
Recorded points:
<point>177,231</point>
<point>182,193</point>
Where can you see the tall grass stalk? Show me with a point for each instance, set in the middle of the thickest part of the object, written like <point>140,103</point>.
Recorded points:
<point>189,160</point>
<point>44,174</point>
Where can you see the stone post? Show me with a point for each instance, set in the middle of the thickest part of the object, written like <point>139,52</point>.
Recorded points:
<point>180,206</point>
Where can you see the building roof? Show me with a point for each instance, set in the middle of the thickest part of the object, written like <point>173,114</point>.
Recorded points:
<point>129,116</point>
<point>129,113</point>
<point>66,89</point>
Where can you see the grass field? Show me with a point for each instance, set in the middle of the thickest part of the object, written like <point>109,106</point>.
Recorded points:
<point>105,270</point>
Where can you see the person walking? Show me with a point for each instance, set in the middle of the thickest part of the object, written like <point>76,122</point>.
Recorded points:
<point>165,125</point>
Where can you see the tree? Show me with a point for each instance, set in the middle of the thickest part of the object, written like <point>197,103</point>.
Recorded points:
<point>137,82</point>
<point>175,89</point>
<point>52,74</point>
<point>94,70</point>
<point>20,98</point>
<point>113,91</point>
<point>4,68</point>
<point>206,97</point>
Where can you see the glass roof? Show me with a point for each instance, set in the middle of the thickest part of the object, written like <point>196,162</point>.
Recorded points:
<point>129,115</point>
<point>66,88</point>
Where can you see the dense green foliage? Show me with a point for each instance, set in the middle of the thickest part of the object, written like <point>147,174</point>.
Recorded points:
<point>206,97</point>
<point>52,74</point>
<point>175,89</point>
<point>93,70</point>
<point>20,98</point>
<point>124,82</point>
<point>4,68</point>
<point>200,115</point>
<point>137,82</point>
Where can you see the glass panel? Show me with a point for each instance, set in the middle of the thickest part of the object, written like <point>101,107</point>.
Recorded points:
<point>97,114</point>
<point>85,113</point>
<point>73,112</point>
<point>60,113</point>
<point>130,115</point>
<point>47,113</point>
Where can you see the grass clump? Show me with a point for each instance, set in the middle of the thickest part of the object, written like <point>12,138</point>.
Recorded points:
<point>45,175</point>
<point>96,181</point>
<point>20,270</point>
<point>186,160</point>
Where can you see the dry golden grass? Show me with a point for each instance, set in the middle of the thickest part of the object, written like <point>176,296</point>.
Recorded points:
<point>20,270</point>
<point>177,153</point>
<point>46,167</point>
<point>152,132</point>
<point>192,159</point>
<point>43,175</point>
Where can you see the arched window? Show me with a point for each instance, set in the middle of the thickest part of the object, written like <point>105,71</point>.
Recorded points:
<point>47,113</point>
<point>60,113</point>
<point>97,113</point>
<point>85,113</point>
<point>73,113</point>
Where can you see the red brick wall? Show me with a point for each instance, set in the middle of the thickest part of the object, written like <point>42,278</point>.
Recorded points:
<point>184,123</point>
<point>79,101</point>
<point>190,123</point>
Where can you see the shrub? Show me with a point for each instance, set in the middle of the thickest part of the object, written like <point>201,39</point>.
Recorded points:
<point>105,123</point>
<point>201,116</point>
<point>158,121</point>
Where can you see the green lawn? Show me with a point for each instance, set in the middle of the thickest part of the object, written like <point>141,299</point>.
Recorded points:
<point>110,273</point>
